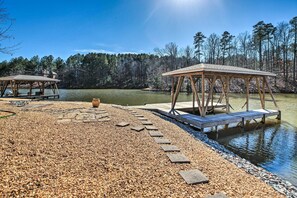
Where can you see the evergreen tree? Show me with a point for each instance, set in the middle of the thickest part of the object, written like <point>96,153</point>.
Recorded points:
<point>198,42</point>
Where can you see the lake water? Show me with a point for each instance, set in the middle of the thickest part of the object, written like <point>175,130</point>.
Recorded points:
<point>273,147</point>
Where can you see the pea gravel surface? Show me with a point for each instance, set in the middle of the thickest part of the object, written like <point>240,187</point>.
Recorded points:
<point>42,157</point>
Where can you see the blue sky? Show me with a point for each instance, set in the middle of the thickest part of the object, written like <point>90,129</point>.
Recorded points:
<point>66,27</point>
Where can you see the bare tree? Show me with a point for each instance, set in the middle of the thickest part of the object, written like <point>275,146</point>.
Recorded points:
<point>293,23</point>
<point>188,54</point>
<point>5,25</point>
<point>285,35</point>
<point>243,40</point>
<point>212,47</point>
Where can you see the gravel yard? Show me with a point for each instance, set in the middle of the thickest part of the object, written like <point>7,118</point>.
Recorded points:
<point>42,155</point>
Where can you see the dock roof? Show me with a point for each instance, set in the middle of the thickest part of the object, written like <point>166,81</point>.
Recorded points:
<point>28,78</point>
<point>221,69</point>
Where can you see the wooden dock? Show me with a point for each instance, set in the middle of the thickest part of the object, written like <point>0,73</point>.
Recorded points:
<point>180,107</point>
<point>37,97</point>
<point>210,120</point>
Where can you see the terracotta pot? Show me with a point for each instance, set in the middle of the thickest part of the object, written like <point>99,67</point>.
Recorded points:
<point>96,102</point>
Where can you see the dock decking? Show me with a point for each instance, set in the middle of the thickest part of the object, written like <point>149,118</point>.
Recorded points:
<point>178,107</point>
<point>209,120</point>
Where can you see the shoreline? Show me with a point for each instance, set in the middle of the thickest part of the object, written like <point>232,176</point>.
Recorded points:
<point>43,146</point>
<point>281,185</point>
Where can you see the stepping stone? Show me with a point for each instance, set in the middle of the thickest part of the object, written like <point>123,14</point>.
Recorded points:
<point>137,115</point>
<point>101,112</point>
<point>155,134</point>
<point>193,176</point>
<point>178,158</point>
<point>149,127</point>
<point>217,195</point>
<point>122,124</point>
<point>63,121</point>
<point>161,140</point>
<point>170,148</point>
<point>89,121</point>
<point>147,123</point>
<point>101,116</point>
<point>137,128</point>
<point>104,120</point>
<point>142,118</point>
<point>134,112</point>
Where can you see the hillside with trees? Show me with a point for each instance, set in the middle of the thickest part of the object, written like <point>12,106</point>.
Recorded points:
<point>268,48</point>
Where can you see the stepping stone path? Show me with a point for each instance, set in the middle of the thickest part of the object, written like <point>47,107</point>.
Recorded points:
<point>178,158</point>
<point>217,195</point>
<point>122,124</point>
<point>137,128</point>
<point>155,134</point>
<point>170,148</point>
<point>190,176</point>
<point>159,140</point>
<point>80,115</point>
<point>193,176</point>
<point>147,123</point>
<point>149,127</point>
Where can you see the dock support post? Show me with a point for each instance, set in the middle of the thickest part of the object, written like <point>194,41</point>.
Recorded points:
<point>242,123</point>
<point>279,116</point>
<point>226,126</point>
<point>263,119</point>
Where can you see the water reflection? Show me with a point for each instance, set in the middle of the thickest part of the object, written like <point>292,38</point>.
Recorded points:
<point>273,147</point>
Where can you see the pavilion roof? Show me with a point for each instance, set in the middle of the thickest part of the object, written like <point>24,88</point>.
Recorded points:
<point>28,78</point>
<point>221,69</point>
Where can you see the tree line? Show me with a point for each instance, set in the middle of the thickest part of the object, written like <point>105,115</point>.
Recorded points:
<point>267,48</point>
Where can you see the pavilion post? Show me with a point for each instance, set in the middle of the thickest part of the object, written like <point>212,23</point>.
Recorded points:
<point>212,96</point>
<point>193,101</point>
<point>53,89</point>
<point>247,87</point>
<point>196,94</point>
<point>210,92</point>
<point>4,88</point>
<point>56,86</point>
<point>172,91</point>
<point>179,83</point>
<point>260,94</point>
<point>270,92</point>
<point>42,88</point>
<point>263,92</point>
<point>227,79</point>
<point>203,94</point>
<point>30,91</point>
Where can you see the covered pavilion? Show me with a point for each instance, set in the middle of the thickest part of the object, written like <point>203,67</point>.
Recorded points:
<point>209,75</point>
<point>29,82</point>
